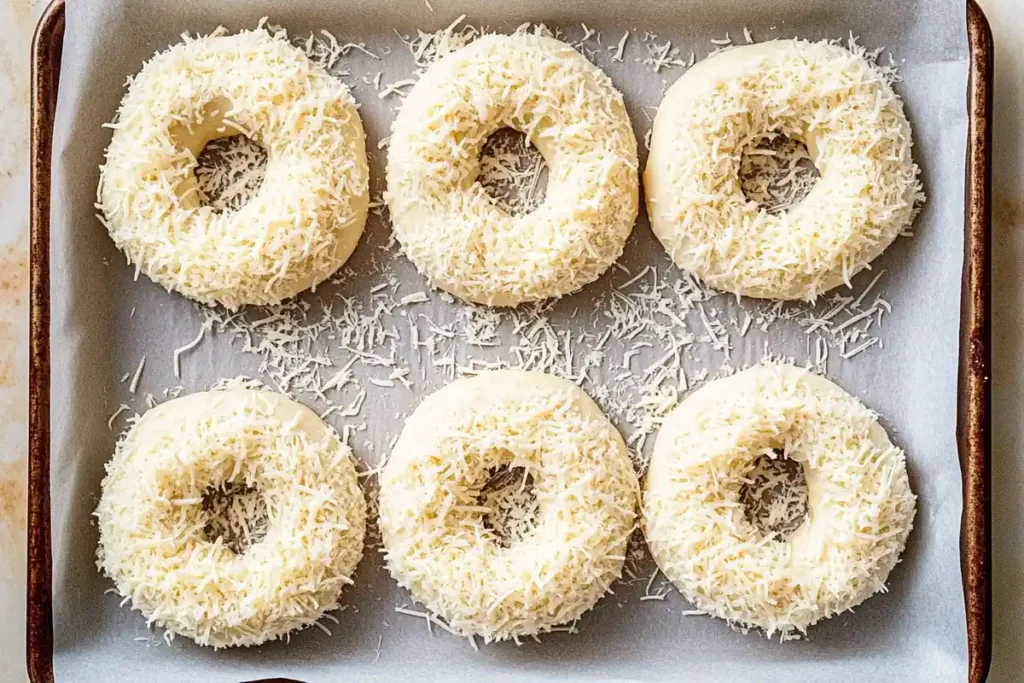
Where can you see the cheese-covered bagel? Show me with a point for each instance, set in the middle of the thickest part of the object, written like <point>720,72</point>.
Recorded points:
<point>305,219</point>
<point>151,517</point>
<point>860,506</point>
<point>453,231</point>
<point>432,521</point>
<point>842,107</point>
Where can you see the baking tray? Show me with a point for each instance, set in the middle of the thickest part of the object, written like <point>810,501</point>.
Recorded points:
<point>973,430</point>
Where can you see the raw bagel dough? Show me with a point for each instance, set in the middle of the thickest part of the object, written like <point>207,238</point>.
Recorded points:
<point>151,517</point>
<point>860,506</point>
<point>436,543</point>
<point>841,107</point>
<point>452,231</point>
<point>303,222</point>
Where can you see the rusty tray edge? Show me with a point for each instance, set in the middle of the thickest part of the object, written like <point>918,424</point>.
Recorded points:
<point>47,47</point>
<point>974,395</point>
<point>974,372</point>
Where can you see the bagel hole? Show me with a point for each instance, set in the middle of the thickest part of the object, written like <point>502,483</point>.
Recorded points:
<point>513,172</point>
<point>774,497</point>
<point>229,172</point>
<point>509,494</point>
<point>776,172</point>
<point>237,514</point>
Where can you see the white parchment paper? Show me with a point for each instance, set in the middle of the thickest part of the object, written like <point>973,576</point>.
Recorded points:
<point>103,323</point>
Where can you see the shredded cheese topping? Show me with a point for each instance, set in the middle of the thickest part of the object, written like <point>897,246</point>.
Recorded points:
<point>835,100</point>
<point>152,519</point>
<point>860,506</point>
<point>309,212</point>
<point>432,517</point>
<point>460,238</point>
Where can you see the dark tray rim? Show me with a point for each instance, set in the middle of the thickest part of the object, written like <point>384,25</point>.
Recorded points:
<point>974,371</point>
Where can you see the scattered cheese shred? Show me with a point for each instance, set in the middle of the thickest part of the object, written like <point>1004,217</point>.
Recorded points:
<point>135,378</point>
<point>120,409</point>
<point>188,347</point>
<point>617,51</point>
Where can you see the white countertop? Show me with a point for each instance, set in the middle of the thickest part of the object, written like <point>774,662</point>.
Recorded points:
<point>17,23</point>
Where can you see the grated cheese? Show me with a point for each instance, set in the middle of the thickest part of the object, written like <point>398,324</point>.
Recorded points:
<point>617,51</point>
<point>415,298</point>
<point>135,378</point>
<point>188,347</point>
<point>120,409</point>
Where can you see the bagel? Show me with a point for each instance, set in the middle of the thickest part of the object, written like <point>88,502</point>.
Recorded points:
<point>432,522</point>
<point>303,222</point>
<point>860,506</point>
<point>842,107</point>
<point>151,517</point>
<point>453,231</point>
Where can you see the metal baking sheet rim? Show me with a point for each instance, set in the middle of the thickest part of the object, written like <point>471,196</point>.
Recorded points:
<point>974,373</point>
